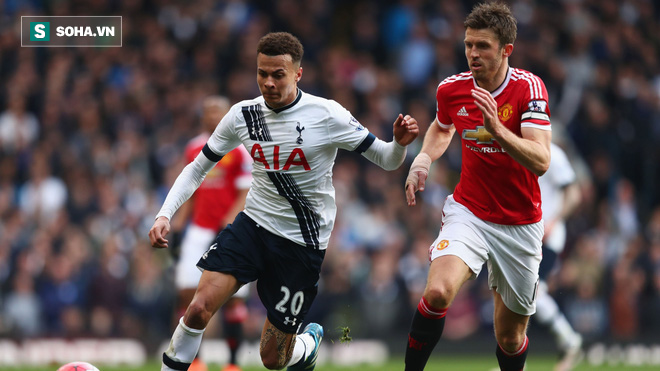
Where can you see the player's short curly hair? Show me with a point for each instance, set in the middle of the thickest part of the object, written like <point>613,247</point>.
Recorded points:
<point>494,16</point>
<point>281,43</point>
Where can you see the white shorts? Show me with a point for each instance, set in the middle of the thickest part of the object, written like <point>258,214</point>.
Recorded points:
<point>196,241</point>
<point>513,253</point>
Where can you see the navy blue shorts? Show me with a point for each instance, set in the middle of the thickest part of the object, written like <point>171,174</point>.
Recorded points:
<point>287,273</point>
<point>548,264</point>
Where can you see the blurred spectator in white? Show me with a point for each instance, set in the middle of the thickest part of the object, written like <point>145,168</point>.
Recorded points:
<point>19,129</point>
<point>43,195</point>
<point>22,308</point>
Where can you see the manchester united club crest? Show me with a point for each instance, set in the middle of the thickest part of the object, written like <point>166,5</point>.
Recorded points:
<point>442,245</point>
<point>505,112</point>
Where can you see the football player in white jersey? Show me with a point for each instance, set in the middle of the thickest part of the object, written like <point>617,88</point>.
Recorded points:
<point>280,238</point>
<point>560,195</point>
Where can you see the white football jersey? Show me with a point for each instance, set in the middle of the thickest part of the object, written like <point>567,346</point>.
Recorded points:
<point>294,150</point>
<point>559,175</point>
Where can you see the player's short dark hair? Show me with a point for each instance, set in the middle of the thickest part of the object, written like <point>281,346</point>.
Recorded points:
<point>495,16</point>
<point>281,43</point>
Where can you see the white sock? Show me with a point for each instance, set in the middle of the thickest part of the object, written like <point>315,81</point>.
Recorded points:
<point>563,332</point>
<point>184,344</point>
<point>548,314</point>
<point>302,348</point>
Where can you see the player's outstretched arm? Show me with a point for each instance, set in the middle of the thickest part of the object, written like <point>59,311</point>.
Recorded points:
<point>436,141</point>
<point>184,186</point>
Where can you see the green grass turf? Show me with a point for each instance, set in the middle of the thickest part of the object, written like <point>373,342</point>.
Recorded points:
<point>467,363</point>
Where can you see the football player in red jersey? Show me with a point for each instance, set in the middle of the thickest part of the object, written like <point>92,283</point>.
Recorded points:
<point>217,201</point>
<point>494,214</point>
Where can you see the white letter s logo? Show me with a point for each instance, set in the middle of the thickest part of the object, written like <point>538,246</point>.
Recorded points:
<point>39,31</point>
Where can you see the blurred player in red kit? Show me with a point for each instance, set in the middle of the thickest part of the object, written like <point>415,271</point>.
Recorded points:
<point>217,201</point>
<point>494,215</point>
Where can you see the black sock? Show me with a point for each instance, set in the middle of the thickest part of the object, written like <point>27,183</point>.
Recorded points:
<point>234,336</point>
<point>513,361</point>
<point>234,313</point>
<point>425,331</point>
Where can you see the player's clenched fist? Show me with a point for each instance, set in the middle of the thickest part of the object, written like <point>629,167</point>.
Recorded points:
<point>419,171</point>
<point>158,231</point>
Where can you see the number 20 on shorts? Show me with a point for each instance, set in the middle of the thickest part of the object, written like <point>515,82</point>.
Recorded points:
<point>296,301</point>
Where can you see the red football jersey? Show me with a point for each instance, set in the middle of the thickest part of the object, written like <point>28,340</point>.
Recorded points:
<point>217,193</point>
<point>493,185</point>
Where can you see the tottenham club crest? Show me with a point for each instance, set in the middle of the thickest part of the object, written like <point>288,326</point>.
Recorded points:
<point>213,247</point>
<point>299,140</point>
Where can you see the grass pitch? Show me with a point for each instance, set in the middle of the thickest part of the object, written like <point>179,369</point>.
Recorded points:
<point>462,363</point>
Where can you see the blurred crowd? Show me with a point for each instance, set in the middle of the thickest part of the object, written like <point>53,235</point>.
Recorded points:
<point>92,138</point>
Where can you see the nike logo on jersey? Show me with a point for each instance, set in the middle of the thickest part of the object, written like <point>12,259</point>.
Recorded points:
<point>462,112</point>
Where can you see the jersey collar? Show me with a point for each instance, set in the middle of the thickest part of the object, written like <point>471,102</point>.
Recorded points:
<point>499,90</point>
<point>295,101</point>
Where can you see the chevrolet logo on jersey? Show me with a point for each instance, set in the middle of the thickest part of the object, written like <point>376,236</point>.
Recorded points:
<point>481,135</point>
